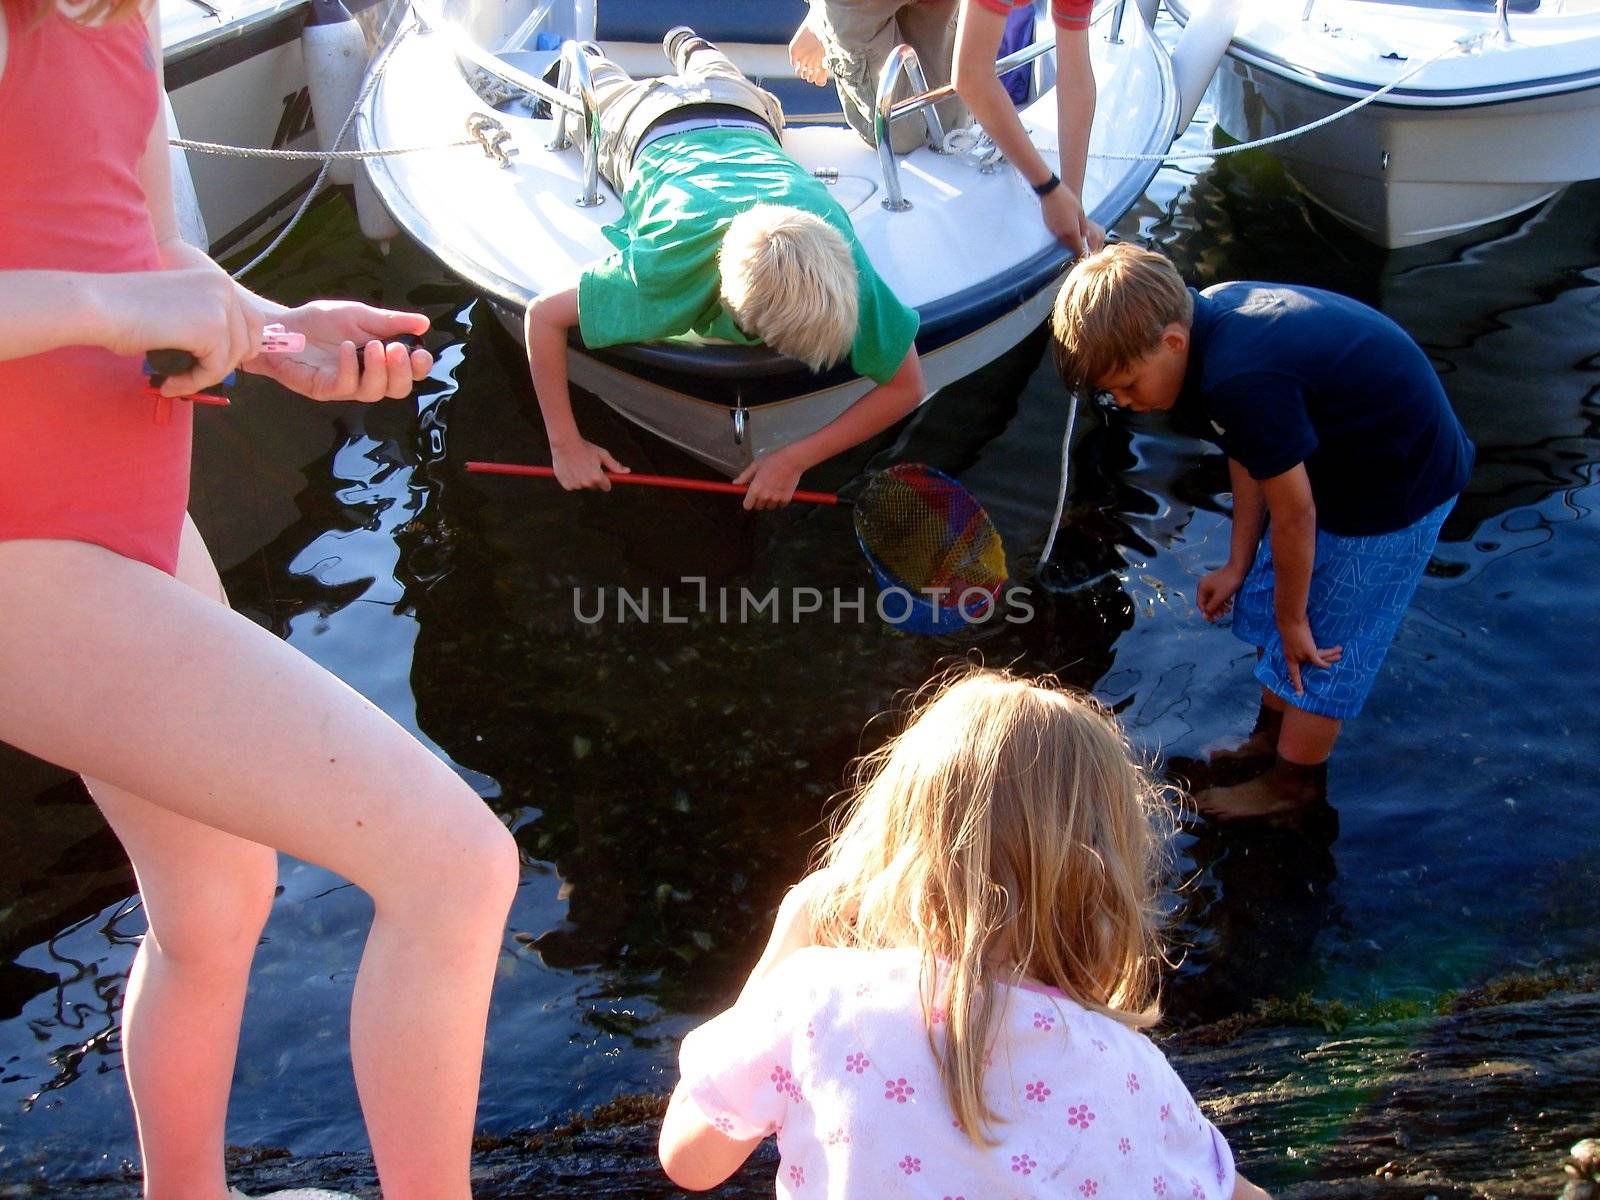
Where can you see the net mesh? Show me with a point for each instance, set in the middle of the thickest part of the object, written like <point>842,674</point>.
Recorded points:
<point>928,531</point>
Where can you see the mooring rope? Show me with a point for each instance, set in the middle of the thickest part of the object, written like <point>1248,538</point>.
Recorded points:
<point>1461,45</point>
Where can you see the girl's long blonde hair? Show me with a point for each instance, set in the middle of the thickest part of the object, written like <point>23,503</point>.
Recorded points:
<point>1007,833</point>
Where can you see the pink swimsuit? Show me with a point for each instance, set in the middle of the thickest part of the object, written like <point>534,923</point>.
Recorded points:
<point>81,455</point>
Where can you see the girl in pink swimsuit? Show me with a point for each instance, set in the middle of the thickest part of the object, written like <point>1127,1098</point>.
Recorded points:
<point>208,743</point>
<point>953,1005</point>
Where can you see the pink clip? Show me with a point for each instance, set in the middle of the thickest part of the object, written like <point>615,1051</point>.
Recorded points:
<point>275,339</point>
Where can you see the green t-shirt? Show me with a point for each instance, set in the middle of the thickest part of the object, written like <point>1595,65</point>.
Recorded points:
<point>663,281</point>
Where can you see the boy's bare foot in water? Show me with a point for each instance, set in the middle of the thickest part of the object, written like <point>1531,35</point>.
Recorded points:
<point>806,55</point>
<point>1285,787</point>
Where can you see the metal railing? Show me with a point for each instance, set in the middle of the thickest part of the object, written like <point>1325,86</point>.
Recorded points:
<point>902,61</point>
<point>575,71</point>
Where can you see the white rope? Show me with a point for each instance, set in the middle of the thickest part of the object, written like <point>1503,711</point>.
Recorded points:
<point>1061,493</point>
<point>312,155</point>
<point>1462,45</point>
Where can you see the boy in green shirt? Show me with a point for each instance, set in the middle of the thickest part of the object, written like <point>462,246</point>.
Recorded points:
<point>725,236</point>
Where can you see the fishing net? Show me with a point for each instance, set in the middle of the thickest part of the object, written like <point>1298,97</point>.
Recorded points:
<point>924,533</point>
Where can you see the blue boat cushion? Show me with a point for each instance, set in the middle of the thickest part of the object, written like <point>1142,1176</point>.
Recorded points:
<point>764,22</point>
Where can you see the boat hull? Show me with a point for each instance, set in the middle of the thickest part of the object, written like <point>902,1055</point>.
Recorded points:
<point>240,80</point>
<point>1401,176</point>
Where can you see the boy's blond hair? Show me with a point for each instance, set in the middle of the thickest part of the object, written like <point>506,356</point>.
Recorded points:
<point>788,278</point>
<point>1111,310</point>
<point>1007,833</point>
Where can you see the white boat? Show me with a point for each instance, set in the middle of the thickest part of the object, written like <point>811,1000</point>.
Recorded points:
<point>1470,138</point>
<point>236,74</point>
<point>968,250</point>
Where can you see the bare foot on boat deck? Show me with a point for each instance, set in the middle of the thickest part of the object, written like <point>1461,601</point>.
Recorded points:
<point>1283,788</point>
<point>806,54</point>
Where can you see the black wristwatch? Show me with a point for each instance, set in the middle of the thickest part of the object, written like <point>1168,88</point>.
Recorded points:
<point>1042,190</point>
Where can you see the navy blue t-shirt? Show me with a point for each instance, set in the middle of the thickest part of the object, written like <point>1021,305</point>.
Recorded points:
<point>1286,375</point>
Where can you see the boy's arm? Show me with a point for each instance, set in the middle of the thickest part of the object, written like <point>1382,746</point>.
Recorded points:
<point>578,463</point>
<point>1215,593</point>
<point>1294,543</point>
<point>774,476</point>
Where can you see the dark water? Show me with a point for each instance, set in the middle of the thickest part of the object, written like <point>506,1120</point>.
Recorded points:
<point>666,780</point>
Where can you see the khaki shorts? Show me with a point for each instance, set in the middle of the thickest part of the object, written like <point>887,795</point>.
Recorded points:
<point>858,37</point>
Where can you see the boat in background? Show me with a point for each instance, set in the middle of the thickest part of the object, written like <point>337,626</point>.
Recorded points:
<point>258,74</point>
<point>1470,138</point>
<point>927,220</point>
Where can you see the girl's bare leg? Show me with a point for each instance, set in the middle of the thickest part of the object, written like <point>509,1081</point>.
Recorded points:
<point>206,895</point>
<point>154,690</point>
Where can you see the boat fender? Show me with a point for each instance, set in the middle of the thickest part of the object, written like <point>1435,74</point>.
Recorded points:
<point>376,223</point>
<point>191,222</point>
<point>335,52</point>
<point>1198,52</point>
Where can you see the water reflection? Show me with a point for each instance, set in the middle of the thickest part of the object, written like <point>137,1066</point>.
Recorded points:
<point>666,782</point>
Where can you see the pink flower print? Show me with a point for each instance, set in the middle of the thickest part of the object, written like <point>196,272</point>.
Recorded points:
<point>1196,1192</point>
<point>937,1015</point>
<point>783,1082</point>
<point>1079,1115</point>
<point>811,1029</point>
<point>1166,1111</point>
<point>1088,1187</point>
<point>1099,1045</point>
<point>723,1124</point>
<point>1044,1020</point>
<point>862,989</point>
<point>910,1165</point>
<point>1037,1091</point>
<point>898,1090</point>
<point>1024,1164</point>
<point>1158,1185</point>
<point>1124,1145</point>
<point>797,1176</point>
<point>857,1063</point>
<point>1133,1083</point>
<point>955,1198</point>
<point>839,1137</point>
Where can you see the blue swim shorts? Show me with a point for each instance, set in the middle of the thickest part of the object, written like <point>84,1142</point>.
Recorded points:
<point>1360,587</point>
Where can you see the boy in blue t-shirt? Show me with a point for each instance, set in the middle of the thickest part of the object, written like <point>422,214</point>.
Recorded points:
<point>1342,449</point>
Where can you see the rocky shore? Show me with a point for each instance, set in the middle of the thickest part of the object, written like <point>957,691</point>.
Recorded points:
<point>1482,1098</point>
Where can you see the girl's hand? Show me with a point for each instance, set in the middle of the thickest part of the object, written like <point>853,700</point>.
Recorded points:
<point>198,309</point>
<point>329,368</point>
<point>1064,217</point>
<point>1215,594</point>
<point>794,927</point>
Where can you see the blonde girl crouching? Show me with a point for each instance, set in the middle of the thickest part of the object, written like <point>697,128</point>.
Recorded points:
<point>952,1004</point>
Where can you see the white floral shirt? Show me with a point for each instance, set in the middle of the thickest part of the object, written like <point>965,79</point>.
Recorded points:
<point>831,1052</point>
